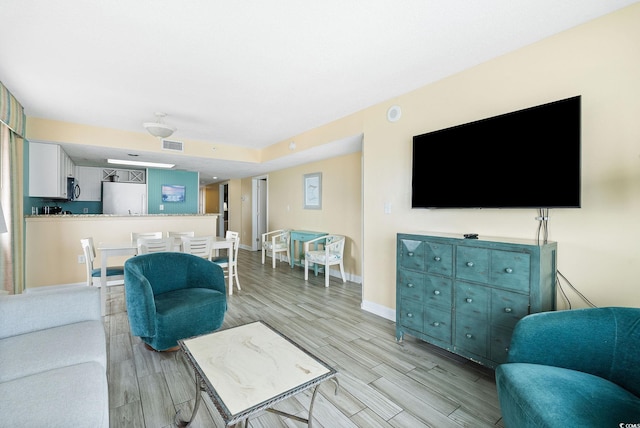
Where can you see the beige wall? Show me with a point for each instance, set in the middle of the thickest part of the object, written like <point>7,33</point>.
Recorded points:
<point>341,211</point>
<point>598,245</point>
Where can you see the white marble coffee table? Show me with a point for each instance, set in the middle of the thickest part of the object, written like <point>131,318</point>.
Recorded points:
<point>249,368</point>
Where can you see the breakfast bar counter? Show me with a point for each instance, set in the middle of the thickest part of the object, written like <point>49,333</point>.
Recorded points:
<point>53,255</point>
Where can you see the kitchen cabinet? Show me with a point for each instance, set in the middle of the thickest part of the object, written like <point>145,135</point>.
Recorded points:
<point>90,182</point>
<point>49,168</point>
<point>466,295</point>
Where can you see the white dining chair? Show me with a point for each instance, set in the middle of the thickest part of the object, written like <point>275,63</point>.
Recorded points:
<point>177,241</point>
<point>200,246</point>
<point>276,241</point>
<point>230,262</point>
<point>332,254</point>
<point>115,274</point>
<point>144,235</point>
<point>146,246</point>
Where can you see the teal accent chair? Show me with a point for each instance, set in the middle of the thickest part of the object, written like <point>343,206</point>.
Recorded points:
<point>576,368</point>
<point>172,296</point>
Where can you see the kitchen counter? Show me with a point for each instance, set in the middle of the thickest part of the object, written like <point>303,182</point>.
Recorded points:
<point>52,244</point>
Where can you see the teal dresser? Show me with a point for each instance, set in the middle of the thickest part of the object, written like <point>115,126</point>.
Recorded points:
<point>466,295</point>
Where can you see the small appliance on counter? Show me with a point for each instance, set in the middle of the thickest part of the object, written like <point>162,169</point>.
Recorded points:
<point>46,210</point>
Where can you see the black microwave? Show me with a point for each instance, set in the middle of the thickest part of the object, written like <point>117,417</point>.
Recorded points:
<point>73,189</point>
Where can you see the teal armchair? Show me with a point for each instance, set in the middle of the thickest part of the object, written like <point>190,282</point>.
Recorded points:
<point>578,368</point>
<point>172,296</point>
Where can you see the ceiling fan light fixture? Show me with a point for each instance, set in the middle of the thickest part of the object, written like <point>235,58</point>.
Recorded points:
<point>158,128</point>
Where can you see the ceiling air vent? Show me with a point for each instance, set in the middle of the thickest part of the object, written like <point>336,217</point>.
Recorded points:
<point>176,146</point>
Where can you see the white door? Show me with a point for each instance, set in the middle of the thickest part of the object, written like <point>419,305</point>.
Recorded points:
<point>259,210</point>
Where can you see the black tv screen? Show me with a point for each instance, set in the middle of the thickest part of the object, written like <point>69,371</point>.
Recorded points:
<point>529,158</point>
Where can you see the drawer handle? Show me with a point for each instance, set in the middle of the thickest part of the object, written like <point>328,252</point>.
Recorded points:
<point>468,300</point>
<point>410,254</point>
<point>410,285</point>
<point>436,292</point>
<point>436,324</point>
<point>508,270</point>
<point>409,315</point>
<point>437,258</point>
<point>470,264</point>
<point>469,335</point>
<point>507,310</point>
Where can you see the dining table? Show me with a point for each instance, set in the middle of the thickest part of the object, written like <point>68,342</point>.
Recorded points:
<point>116,249</point>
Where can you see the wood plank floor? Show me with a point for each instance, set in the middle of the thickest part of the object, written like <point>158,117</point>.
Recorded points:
<point>382,383</point>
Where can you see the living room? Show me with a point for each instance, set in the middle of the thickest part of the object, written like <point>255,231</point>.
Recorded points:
<point>597,243</point>
<point>593,60</point>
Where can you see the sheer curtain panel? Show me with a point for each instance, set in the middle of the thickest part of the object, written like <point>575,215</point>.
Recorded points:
<point>12,125</point>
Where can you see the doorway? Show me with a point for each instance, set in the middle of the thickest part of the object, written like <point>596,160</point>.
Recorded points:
<point>223,224</point>
<point>260,210</point>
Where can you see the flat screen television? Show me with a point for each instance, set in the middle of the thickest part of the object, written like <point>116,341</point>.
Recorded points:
<point>528,158</point>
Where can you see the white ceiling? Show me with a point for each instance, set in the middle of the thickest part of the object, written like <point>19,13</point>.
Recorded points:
<point>252,73</point>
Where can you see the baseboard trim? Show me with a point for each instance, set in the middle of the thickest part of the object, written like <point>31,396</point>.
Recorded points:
<point>376,309</point>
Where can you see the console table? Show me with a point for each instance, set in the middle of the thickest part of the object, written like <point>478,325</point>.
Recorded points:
<point>301,236</point>
<point>466,295</point>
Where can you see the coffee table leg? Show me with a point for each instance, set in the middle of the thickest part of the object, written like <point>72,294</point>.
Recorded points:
<point>199,388</point>
<point>313,399</point>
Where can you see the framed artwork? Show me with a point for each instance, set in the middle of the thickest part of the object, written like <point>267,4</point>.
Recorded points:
<point>313,191</point>
<point>173,193</point>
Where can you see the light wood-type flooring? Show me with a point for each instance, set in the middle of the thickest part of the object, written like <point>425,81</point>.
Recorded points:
<point>382,383</point>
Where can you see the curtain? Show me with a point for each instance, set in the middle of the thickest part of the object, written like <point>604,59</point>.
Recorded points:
<point>12,128</point>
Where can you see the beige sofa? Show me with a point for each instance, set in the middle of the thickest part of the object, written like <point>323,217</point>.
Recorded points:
<point>53,360</point>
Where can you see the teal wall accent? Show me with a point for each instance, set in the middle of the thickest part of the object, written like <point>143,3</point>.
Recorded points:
<point>157,177</point>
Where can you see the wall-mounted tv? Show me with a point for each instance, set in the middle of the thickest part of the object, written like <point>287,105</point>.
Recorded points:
<point>528,158</point>
<point>173,193</point>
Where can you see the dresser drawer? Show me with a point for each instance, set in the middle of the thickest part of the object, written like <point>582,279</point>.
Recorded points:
<point>508,308</point>
<point>438,291</point>
<point>411,315</point>
<point>510,269</point>
<point>472,301</point>
<point>411,254</point>
<point>472,264</point>
<point>437,324</point>
<point>411,285</point>
<point>471,336</point>
<point>439,258</point>
<point>500,342</point>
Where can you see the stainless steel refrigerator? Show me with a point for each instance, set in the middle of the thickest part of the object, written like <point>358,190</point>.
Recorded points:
<point>124,198</point>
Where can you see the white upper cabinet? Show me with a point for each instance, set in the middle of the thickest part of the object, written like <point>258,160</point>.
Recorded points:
<point>49,167</point>
<point>90,182</point>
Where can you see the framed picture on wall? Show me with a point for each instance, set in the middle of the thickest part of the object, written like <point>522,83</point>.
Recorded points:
<point>173,193</point>
<point>313,191</point>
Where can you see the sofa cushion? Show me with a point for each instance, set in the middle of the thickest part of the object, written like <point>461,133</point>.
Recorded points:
<point>73,396</point>
<point>545,396</point>
<point>43,350</point>
<point>24,313</point>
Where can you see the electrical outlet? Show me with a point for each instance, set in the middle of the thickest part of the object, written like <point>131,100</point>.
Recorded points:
<point>161,207</point>
<point>81,260</point>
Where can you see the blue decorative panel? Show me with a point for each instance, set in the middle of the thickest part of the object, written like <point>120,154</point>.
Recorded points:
<point>156,178</point>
